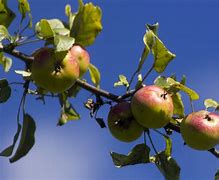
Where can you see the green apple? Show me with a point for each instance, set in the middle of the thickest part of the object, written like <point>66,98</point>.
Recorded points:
<point>122,124</point>
<point>152,107</point>
<point>54,71</point>
<point>200,130</point>
<point>82,57</point>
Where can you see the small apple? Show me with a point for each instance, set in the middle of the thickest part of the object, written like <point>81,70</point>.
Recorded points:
<point>122,124</point>
<point>54,71</point>
<point>82,57</point>
<point>200,130</point>
<point>152,107</point>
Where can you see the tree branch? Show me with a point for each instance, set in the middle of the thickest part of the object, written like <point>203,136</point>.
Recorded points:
<point>29,59</point>
<point>25,58</point>
<point>176,128</point>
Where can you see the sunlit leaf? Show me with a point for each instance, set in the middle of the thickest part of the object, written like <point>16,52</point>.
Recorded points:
<point>173,86</point>
<point>23,73</point>
<point>24,8</point>
<point>63,43</point>
<point>138,155</point>
<point>94,74</point>
<point>210,103</point>
<point>122,81</point>
<point>162,56</point>
<point>5,91</point>
<point>27,138</point>
<point>168,149</point>
<point>139,82</point>
<point>87,24</point>
<point>178,105</point>
<point>6,62</point>
<point>43,29</point>
<point>49,28</point>
<point>6,14</point>
<point>3,33</point>
<point>70,15</point>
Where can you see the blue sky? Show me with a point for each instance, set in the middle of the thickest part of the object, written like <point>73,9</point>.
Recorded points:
<point>80,149</point>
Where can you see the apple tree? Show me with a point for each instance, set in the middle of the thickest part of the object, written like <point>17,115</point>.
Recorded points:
<point>57,70</point>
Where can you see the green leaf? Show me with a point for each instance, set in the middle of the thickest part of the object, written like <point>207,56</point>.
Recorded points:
<point>43,29</point>
<point>6,62</point>
<point>162,56</point>
<point>210,103</point>
<point>168,149</point>
<point>6,14</point>
<point>94,74</point>
<point>165,163</point>
<point>27,138</point>
<point>173,86</point>
<point>24,8</point>
<point>122,81</point>
<point>216,175</point>
<point>87,24</point>
<point>149,39</point>
<point>4,33</point>
<point>139,82</point>
<point>68,112</point>
<point>5,91</point>
<point>153,27</point>
<point>138,155</point>
<point>178,105</point>
<point>70,15</point>
<point>63,43</point>
<point>167,166</point>
<point>9,150</point>
<point>47,29</point>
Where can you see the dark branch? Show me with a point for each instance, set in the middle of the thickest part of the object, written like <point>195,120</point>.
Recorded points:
<point>28,60</point>
<point>25,58</point>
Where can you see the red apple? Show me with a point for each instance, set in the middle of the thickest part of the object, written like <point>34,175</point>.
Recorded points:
<point>82,57</point>
<point>122,124</point>
<point>200,130</point>
<point>152,107</point>
<point>54,71</point>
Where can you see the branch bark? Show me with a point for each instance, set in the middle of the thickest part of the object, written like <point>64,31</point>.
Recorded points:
<point>29,59</point>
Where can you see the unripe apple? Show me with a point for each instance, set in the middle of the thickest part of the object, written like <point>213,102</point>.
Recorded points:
<point>54,71</point>
<point>200,130</point>
<point>152,107</point>
<point>82,57</point>
<point>122,124</point>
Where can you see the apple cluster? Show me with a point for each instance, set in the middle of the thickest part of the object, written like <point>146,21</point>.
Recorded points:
<point>58,71</point>
<point>152,107</point>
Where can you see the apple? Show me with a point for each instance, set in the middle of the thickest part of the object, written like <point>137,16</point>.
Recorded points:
<point>82,57</point>
<point>200,130</point>
<point>152,107</point>
<point>122,124</point>
<point>54,71</point>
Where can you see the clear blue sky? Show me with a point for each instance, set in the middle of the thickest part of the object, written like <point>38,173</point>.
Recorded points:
<point>80,149</point>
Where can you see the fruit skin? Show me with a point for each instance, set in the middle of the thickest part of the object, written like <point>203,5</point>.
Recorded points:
<point>122,124</point>
<point>82,57</point>
<point>152,107</point>
<point>54,71</point>
<point>200,130</point>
